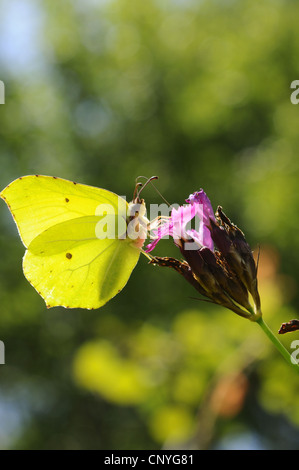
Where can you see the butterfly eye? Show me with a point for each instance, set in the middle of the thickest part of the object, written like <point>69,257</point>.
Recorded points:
<point>134,209</point>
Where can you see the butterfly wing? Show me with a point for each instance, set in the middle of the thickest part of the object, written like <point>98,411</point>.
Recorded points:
<point>69,266</point>
<point>66,261</point>
<point>38,202</point>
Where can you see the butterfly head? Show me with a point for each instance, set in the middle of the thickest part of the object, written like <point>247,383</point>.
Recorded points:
<point>137,222</point>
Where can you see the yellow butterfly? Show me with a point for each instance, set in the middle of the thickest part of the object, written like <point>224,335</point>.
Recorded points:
<point>82,243</point>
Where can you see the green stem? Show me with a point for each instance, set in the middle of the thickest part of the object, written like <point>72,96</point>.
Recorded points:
<point>283,351</point>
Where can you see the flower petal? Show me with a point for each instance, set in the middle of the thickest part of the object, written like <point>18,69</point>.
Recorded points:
<point>165,229</point>
<point>180,218</point>
<point>204,210</point>
<point>176,226</point>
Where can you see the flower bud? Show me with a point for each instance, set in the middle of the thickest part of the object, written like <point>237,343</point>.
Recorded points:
<point>234,248</point>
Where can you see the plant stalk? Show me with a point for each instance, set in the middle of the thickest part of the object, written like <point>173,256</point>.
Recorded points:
<point>283,351</point>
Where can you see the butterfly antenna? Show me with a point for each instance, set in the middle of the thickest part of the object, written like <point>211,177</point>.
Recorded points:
<point>135,190</point>
<point>150,180</point>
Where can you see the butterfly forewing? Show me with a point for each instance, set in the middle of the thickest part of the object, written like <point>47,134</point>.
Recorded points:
<point>38,202</point>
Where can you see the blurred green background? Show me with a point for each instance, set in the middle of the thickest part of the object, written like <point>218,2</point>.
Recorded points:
<point>198,93</point>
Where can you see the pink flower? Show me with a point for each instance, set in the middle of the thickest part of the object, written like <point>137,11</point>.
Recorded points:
<point>218,260</point>
<point>198,204</point>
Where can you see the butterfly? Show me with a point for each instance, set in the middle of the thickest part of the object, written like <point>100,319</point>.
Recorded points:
<point>82,242</point>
